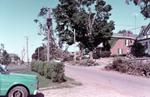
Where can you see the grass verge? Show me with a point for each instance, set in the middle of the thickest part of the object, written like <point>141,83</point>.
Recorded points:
<point>45,83</point>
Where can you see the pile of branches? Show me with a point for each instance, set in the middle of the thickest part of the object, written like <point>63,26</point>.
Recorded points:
<point>87,62</point>
<point>132,67</point>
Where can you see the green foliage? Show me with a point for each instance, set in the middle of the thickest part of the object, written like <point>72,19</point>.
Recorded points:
<point>5,58</point>
<point>53,70</point>
<point>34,66</point>
<point>130,66</point>
<point>89,20</point>
<point>41,67</point>
<point>99,54</point>
<point>96,55</point>
<point>87,62</point>
<point>105,53</point>
<point>39,54</point>
<point>137,49</point>
<point>68,58</point>
<point>118,65</point>
<point>57,71</point>
<point>144,5</point>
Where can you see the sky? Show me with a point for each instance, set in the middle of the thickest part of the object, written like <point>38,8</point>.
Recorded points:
<point>16,22</point>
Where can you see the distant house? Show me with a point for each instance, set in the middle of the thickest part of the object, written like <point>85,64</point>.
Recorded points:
<point>144,38</point>
<point>121,43</point>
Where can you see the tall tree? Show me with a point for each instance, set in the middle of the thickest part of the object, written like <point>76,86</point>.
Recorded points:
<point>84,21</point>
<point>144,5</point>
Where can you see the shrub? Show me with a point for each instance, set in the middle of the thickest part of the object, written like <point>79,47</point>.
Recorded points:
<point>69,58</point>
<point>86,56</point>
<point>56,71</point>
<point>53,70</point>
<point>40,67</point>
<point>45,69</point>
<point>96,55</point>
<point>133,67</point>
<point>34,66</point>
<point>87,62</point>
<point>105,53</point>
<point>48,71</point>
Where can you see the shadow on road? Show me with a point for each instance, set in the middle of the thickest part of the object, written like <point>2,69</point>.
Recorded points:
<point>38,95</point>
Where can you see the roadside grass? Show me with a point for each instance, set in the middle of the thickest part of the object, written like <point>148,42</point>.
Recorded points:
<point>45,83</point>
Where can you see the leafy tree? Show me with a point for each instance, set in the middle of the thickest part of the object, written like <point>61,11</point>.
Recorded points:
<point>84,21</point>
<point>5,58</point>
<point>40,53</point>
<point>137,49</point>
<point>144,5</point>
<point>125,32</point>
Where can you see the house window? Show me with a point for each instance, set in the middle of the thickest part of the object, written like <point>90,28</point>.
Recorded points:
<point>146,44</point>
<point>130,41</point>
<point>126,42</point>
<point>120,51</point>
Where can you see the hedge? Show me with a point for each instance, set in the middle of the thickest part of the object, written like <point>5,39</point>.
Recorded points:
<point>53,70</point>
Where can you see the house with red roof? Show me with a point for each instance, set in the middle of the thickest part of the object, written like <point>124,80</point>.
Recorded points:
<point>121,43</point>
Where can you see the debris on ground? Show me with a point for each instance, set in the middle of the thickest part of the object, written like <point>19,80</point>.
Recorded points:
<point>88,63</point>
<point>136,66</point>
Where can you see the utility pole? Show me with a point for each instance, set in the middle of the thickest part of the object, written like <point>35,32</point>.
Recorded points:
<point>49,24</point>
<point>38,54</point>
<point>22,55</point>
<point>27,50</point>
<point>48,46</point>
<point>2,47</point>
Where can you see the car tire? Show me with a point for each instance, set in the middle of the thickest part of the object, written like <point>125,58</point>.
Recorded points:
<point>18,91</point>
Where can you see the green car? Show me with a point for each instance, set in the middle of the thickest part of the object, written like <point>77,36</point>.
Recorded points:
<point>17,85</point>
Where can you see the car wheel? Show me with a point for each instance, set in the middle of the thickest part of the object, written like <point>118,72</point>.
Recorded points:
<point>18,91</point>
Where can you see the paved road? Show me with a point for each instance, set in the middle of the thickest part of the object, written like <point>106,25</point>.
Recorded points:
<point>130,86</point>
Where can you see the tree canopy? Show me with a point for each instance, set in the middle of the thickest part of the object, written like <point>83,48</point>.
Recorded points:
<point>84,21</point>
<point>144,5</point>
<point>138,49</point>
<point>40,53</point>
<point>5,58</point>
